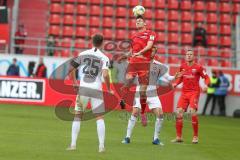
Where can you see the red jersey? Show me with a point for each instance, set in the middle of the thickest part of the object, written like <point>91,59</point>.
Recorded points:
<point>139,42</point>
<point>191,76</point>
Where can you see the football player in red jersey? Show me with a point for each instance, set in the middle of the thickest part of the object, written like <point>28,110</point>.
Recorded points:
<point>139,62</point>
<point>191,73</point>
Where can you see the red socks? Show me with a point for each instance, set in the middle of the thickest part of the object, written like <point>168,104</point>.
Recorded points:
<point>143,104</point>
<point>179,126</point>
<point>195,125</point>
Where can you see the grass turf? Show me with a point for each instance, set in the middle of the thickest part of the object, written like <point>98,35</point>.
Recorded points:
<point>32,132</point>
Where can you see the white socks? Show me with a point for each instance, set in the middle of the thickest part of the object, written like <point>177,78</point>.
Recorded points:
<point>75,131</point>
<point>158,126</point>
<point>131,124</point>
<point>101,132</point>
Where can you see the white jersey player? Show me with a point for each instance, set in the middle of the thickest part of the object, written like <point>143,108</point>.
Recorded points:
<point>92,65</point>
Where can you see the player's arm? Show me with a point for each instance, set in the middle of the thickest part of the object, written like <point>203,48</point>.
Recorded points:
<point>106,78</point>
<point>204,75</point>
<point>178,77</point>
<point>72,71</point>
<point>145,49</point>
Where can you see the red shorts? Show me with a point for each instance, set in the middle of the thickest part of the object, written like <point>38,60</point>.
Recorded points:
<point>188,99</point>
<point>140,69</point>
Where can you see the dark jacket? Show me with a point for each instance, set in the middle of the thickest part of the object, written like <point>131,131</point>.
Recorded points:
<point>13,70</point>
<point>41,71</point>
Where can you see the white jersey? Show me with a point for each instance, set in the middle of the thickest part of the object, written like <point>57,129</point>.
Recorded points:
<point>91,63</point>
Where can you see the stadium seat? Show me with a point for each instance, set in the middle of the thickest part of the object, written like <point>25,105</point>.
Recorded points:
<point>82,9</point>
<point>121,3</point>
<point>66,42</point>
<point>68,20</point>
<point>55,19</point>
<point>212,18</point>
<point>173,38</point>
<point>94,31</point>
<point>81,32</point>
<point>236,7</point>
<point>160,25</point>
<point>108,33</point>
<point>149,14</point>
<point>121,34</point>
<point>225,19</point>
<point>108,2</point>
<point>226,41</point>
<point>133,3</point>
<point>81,20</point>
<point>95,21</point>
<point>108,11</point>
<point>56,8</point>
<point>161,49</point>
<point>121,23</point>
<point>199,6</point>
<point>213,51</point>
<point>65,53</point>
<point>161,37</point>
<point>234,19</point>
<point>132,23</point>
<point>225,7</point>
<point>121,12</point>
<point>148,3</point>
<point>173,26</point>
<point>226,53</point>
<point>95,10</point>
<point>79,43</point>
<point>225,29</point>
<point>213,62</point>
<point>160,14</point>
<point>82,1</point>
<point>56,1</point>
<point>107,22</point>
<point>199,17</point>
<point>186,5</point>
<point>226,63</point>
<point>160,4</point>
<point>186,38</point>
<point>95,1</point>
<point>173,49</point>
<point>202,61</point>
<point>212,40</point>
<point>212,6</point>
<point>68,9</point>
<point>68,31</point>
<point>172,4</point>
<point>201,51</point>
<point>54,30</point>
<point>186,27</point>
<point>186,16</point>
<point>69,1</point>
<point>149,23</point>
<point>174,60</point>
<point>160,58</point>
<point>173,15</point>
<point>212,29</point>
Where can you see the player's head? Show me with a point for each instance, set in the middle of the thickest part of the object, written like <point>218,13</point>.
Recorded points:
<point>14,61</point>
<point>189,57</point>
<point>214,74</point>
<point>140,22</point>
<point>97,40</point>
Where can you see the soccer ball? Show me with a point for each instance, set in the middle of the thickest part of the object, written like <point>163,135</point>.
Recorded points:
<point>138,11</point>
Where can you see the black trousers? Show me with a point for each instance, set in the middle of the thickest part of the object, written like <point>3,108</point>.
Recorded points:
<point>222,105</point>
<point>203,42</point>
<point>209,97</point>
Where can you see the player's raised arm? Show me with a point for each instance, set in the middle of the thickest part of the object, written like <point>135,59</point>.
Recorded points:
<point>204,75</point>
<point>72,70</point>
<point>148,47</point>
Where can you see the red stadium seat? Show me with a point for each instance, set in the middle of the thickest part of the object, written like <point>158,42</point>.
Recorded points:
<point>202,61</point>
<point>95,10</point>
<point>160,3</point>
<point>54,30</point>
<point>173,49</point>
<point>225,19</point>
<point>212,40</point>
<point>95,21</point>
<point>213,62</point>
<point>66,42</point>
<point>55,19</point>
<point>186,5</point>
<point>68,8</point>
<point>120,34</point>
<point>212,18</point>
<point>79,43</point>
<point>225,29</point>
<point>95,1</point>
<point>161,37</point>
<point>82,9</point>
<point>212,29</point>
<point>108,2</point>
<point>160,14</point>
<point>172,38</point>
<point>56,8</point>
<point>107,22</point>
<point>186,38</point>
<point>186,27</point>
<point>81,32</point>
<point>226,53</point>
<point>68,20</point>
<point>149,14</point>
<point>81,20</point>
<point>69,1</point>
<point>234,19</point>
<point>201,51</point>
<point>148,3</point>
<point>56,1</point>
<point>108,11</point>
<point>132,23</point>
<point>82,1</point>
<point>236,7</point>
<point>121,3</point>
<point>213,51</point>
<point>108,33</point>
<point>121,23</point>
<point>199,17</point>
<point>212,6</point>
<point>173,26</point>
<point>172,15</point>
<point>226,41</point>
<point>68,31</point>
<point>174,60</point>
<point>160,25</point>
<point>226,63</point>
<point>225,7</point>
<point>133,3</point>
<point>160,58</point>
<point>172,4</point>
<point>199,6</point>
<point>66,53</point>
<point>161,49</point>
<point>121,12</point>
<point>186,16</point>
<point>94,31</point>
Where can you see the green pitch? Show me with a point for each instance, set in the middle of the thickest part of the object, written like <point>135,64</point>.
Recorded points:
<point>34,133</point>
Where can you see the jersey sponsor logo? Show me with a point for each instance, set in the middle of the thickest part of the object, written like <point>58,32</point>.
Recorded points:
<point>22,90</point>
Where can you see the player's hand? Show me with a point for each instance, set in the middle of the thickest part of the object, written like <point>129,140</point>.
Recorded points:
<point>174,85</point>
<point>111,91</point>
<point>137,55</point>
<point>204,89</point>
<point>178,75</point>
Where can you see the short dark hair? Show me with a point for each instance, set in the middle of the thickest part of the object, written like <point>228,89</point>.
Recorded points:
<point>97,40</point>
<point>140,17</point>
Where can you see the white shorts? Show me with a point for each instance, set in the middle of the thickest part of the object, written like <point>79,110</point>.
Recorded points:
<point>153,100</point>
<point>97,105</point>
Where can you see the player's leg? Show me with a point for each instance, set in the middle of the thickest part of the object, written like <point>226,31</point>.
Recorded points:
<point>143,99</point>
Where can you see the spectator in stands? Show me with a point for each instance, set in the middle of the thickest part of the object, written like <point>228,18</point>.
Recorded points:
<point>20,39</point>
<point>221,92</point>
<point>51,44</point>
<point>199,37</point>
<point>13,69</point>
<point>214,83</point>
<point>41,69</point>
<point>3,2</point>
